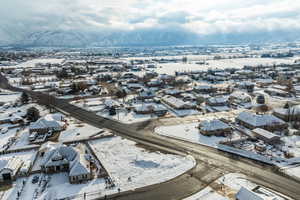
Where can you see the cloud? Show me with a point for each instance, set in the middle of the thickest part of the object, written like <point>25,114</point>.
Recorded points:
<point>19,17</point>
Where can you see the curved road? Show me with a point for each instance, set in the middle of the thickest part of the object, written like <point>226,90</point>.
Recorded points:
<point>211,163</point>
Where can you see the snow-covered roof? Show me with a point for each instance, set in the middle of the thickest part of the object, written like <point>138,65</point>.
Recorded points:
<point>213,125</point>
<point>203,87</point>
<point>49,121</point>
<point>259,120</point>
<point>78,169</point>
<point>79,166</point>
<point>178,103</point>
<point>147,107</point>
<point>172,91</point>
<point>240,95</point>
<point>245,194</point>
<point>12,164</point>
<point>217,100</point>
<point>57,154</point>
<point>295,110</point>
<point>147,93</point>
<point>264,133</point>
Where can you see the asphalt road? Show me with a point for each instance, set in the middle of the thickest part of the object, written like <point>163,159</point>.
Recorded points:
<point>213,163</point>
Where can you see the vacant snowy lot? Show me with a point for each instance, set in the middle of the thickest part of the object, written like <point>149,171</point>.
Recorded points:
<point>78,130</point>
<point>188,132</point>
<point>133,167</point>
<point>127,117</point>
<point>32,63</point>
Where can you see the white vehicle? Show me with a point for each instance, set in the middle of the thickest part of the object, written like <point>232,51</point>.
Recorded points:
<point>4,130</point>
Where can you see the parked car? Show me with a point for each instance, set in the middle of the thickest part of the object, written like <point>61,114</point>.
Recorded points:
<point>4,130</point>
<point>35,179</point>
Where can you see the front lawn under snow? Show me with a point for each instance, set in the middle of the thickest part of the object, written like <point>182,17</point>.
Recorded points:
<point>133,167</point>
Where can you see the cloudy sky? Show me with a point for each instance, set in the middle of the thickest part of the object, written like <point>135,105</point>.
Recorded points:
<point>199,16</point>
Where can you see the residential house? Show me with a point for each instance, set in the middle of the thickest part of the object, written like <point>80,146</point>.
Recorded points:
<point>267,121</point>
<point>151,109</point>
<point>288,114</point>
<point>266,136</point>
<point>9,169</point>
<point>246,194</point>
<point>177,103</point>
<point>50,122</point>
<point>56,158</point>
<point>205,89</point>
<point>217,104</point>
<point>214,127</point>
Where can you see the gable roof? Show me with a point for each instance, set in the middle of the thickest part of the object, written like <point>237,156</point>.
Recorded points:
<point>12,164</point>
<point>213,125</point>
<point>48,121</point>
<point>259,120</point>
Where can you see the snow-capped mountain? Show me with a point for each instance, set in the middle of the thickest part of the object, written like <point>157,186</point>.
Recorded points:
<point>117,38</point>
<point>148,37</point>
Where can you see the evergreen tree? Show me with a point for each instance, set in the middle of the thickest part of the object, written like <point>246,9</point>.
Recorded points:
<point>33,114</point>
<point>24,98</point>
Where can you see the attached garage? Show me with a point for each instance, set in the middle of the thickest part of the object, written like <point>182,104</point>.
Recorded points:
<point>9,169</point>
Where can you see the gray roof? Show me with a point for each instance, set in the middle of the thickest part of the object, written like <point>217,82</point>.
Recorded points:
<point>245,194</point>
<point>259,120</point>
<point>12,164</point>
<point>59,155</point>
<point>79,168</point>
<point>213,125</point>
<point>48,121</point>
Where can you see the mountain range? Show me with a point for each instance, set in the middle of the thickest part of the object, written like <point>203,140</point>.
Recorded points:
<point>147,37</point>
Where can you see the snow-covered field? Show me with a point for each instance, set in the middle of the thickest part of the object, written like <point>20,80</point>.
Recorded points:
<point>32,63</point>
<point>133,167</point>
<point>77,131</point>
<point>189,132</point>
<point>238,63</point>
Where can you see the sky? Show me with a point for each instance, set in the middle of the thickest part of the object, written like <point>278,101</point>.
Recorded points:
<point>197,16</point>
